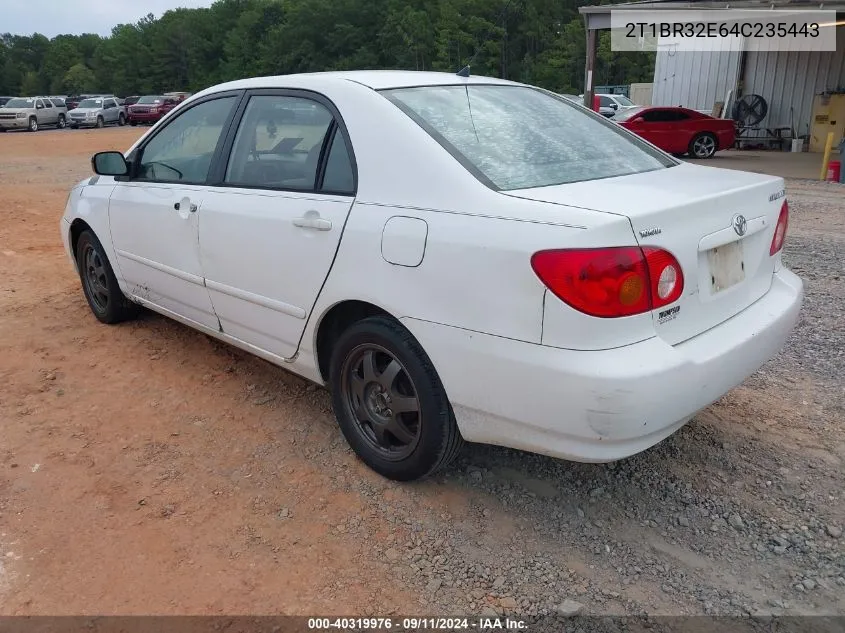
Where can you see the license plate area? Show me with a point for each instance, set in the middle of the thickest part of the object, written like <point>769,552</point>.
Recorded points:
<point>727,266</point>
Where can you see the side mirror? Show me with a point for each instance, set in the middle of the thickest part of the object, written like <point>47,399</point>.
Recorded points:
<point>39,106</point>
<point>109,164</point>
<point>614,106</point>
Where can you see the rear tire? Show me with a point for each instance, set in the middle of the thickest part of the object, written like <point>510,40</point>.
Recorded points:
<point>99,284</point>
<point>390,403</point>
<point>121,120</point>
<point>61,123</point>
<point>703,145</point>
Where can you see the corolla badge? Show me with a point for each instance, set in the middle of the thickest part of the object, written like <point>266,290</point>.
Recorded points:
<point>740,224</point>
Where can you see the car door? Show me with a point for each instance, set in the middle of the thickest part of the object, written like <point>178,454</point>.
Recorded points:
<point>656,128</point>
<point>110,110</point>
<point>154,213</point>
<point>271,226</point>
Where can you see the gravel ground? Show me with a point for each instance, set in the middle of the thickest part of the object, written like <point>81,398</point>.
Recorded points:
<point>159,471</point>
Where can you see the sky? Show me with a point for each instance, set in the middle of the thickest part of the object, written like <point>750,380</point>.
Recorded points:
<point>52,17</point>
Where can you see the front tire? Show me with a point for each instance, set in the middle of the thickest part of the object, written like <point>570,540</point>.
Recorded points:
<point>100,122</point>
<point>33,124</point>
<point>390,403</point>
<point>99,284</point>
<point>703,145</point>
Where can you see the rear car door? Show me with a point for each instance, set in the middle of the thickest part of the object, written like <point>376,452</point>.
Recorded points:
<point>110,110</point>
<point>154,214</point>
<point>272,222</point>
<point>47,114</point>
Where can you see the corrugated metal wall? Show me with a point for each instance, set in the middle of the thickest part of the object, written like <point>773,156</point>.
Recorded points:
<point>791,79</point>
<point>694,80</point>
<point>788,80</point>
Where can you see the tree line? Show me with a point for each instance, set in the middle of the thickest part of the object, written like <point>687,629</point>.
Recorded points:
<point>540,42</point>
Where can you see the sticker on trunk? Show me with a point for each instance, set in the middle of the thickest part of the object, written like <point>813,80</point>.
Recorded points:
<point>668,315</point>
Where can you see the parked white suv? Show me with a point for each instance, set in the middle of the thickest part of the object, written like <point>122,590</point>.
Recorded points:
<point>97,111</point>
<point>30,113</point>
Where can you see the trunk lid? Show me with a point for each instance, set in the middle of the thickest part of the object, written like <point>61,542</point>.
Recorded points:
<point>690,211</point>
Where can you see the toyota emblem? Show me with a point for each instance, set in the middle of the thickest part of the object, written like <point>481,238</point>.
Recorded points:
<point>740,225</point>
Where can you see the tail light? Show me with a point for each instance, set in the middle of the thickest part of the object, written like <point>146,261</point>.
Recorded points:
<point>611,282</point>
<point>780,230</point>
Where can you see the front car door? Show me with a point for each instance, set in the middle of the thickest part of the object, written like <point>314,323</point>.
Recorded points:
<point>154,214</point>
<point>271,226</point>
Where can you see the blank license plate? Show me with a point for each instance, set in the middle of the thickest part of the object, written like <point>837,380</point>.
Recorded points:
<point>727,267</point>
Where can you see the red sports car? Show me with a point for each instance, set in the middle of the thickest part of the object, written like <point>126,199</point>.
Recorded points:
<point>679,130</point>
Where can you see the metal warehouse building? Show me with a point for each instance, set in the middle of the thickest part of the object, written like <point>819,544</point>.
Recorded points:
<point>797,85</point>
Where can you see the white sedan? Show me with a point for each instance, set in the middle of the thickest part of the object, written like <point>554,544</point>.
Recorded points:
<point>455,258</point>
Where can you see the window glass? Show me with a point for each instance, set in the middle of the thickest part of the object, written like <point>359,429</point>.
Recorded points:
<point>278,143</point>
<point>183,150</point>
<point>338,176</point>
<point>48,103</point>
<point>519,137</point>
<point>606,102</point>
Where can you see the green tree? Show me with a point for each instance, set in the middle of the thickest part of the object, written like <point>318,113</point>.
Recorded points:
<point>79,78</point>
<point>30,84</point>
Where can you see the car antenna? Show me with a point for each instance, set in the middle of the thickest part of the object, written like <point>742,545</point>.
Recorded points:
<point>464,72</point>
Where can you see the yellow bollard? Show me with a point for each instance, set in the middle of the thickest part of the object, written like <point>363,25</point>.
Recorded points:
<point>828,146</point>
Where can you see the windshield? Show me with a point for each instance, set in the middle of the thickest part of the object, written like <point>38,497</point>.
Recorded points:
<point>20,103</point>
<point>90,103</point>
<point>516,137</point>
<point>624,101</point>
<point>627,114</point>
<point>150,99</point>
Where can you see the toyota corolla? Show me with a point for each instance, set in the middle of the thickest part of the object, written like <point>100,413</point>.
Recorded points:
<point>454,258</point>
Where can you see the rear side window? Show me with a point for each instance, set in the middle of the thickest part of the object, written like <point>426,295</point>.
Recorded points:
<point>278,143</point>
<point>338,177</point>
<point>48,103</point>
<point>514,137</point>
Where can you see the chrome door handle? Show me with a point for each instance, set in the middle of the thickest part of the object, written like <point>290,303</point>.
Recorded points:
<point>192,208</point>
<point>313,222</point>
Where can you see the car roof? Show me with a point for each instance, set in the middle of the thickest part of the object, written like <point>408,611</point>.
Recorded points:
<point>375,79</point>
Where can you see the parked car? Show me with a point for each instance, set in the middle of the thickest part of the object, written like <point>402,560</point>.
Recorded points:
<point>31,113</point>
<point>565,288</point>
<point>680,130</point>
<point>610,105</point>
<point>178,96</point>
<point>150,108</point>
<point>97,112</point>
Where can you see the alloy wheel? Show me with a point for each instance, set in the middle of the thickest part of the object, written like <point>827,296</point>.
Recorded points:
<point>96,281</point>
<point>382,400</point>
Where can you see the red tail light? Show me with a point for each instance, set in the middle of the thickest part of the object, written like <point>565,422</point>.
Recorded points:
<point>780,230</point>
<point>611,282</point>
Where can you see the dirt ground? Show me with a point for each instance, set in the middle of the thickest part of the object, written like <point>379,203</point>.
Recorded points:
<point>146,468</point>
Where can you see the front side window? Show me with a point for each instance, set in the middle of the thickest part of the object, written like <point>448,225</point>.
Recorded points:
<point>516,137</point>
<point>182,151</point>
<point>278,143</point>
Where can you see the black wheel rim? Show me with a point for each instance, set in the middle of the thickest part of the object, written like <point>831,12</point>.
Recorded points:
<point>382,401</point>
<point>95,279</point>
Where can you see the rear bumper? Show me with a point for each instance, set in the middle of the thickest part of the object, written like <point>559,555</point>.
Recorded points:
<point>599,406</point>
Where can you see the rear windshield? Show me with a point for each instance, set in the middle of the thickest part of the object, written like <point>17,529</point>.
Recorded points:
<point>20,103</point>
<point>515,137</point>
<point>150,100</point>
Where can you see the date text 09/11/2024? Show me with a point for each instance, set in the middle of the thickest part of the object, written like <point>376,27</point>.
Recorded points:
<point>752,30</point>
<point>417,624</point>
